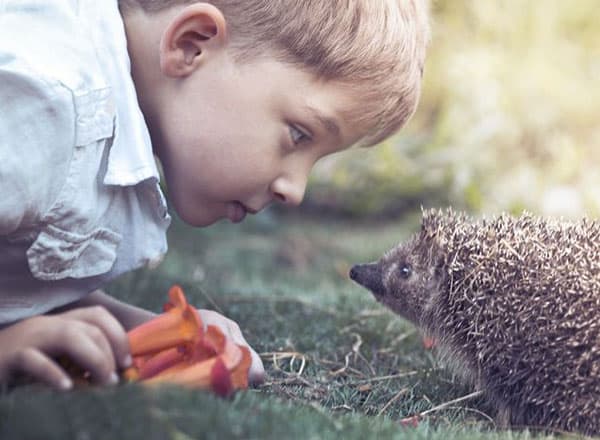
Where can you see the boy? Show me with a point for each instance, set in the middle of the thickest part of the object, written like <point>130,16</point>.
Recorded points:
<point>236,99</point>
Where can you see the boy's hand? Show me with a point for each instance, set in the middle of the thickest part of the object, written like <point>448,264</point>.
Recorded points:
<point>91,337</point>
<point>256,375</point>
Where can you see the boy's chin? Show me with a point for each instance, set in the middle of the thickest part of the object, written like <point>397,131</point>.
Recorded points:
<point>197,218</point>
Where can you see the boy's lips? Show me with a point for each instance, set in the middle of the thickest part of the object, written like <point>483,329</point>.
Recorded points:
<point>236,211</point>
<point>251,210</point>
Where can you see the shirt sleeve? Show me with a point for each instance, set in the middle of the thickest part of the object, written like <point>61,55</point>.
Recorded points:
<point>36,144</point>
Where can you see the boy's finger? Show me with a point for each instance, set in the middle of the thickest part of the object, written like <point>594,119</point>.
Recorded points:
<point>44,369</point>
<point>115,333</point>
<point>256,375</point>
<point>88,347</point>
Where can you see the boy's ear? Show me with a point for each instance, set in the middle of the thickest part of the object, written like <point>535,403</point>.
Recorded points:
<point>192,34</point>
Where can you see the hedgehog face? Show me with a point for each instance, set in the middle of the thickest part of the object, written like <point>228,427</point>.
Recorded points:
<point>400,280</point>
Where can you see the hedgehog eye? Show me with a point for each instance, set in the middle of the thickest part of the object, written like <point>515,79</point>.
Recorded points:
<point>405,271</point>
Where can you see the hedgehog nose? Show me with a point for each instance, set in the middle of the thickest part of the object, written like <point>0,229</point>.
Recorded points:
<point>358,272</point>
<point>369,276</point>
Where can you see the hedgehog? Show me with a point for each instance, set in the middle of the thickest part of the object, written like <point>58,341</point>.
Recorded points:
<point>513,303</point>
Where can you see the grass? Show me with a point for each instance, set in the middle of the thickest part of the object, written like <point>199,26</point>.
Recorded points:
<point>338,364</point>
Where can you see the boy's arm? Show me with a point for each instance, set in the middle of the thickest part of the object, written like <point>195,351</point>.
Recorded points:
<point>128,315</point>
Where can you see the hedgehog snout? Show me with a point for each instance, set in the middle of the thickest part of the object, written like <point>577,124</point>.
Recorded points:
<point>368,275</point>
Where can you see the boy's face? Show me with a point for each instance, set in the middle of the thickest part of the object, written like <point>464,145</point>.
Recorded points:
<point>234,137</point>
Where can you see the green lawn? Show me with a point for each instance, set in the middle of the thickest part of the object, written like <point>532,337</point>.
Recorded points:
<point>338,364</point>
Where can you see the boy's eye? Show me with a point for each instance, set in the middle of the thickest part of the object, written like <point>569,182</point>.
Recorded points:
<point>297,135</point>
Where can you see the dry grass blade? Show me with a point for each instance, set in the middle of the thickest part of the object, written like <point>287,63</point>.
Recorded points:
<point>392,400</point>
<point>277,356</point>
<point>387,377</point>
<point>445,405</point>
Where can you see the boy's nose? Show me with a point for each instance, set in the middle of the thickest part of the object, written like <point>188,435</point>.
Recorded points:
<point>289,190</point>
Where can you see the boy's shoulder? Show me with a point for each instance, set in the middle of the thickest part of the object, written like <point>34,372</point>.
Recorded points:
<point>61,89</point>
<point>51,85</point>
<point>60,41</point>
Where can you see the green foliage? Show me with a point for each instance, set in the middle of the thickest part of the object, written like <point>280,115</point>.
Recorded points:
<point>132,412</point>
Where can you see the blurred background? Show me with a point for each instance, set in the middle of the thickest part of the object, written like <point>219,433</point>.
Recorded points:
<point>508,120</point>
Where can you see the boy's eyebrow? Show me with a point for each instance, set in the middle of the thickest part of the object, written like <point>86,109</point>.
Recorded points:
<point>330,124</point>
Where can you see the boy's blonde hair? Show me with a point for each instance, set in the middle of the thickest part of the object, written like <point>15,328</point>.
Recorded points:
<point>374,47</point>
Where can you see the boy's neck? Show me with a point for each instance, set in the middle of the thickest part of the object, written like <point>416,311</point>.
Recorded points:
<point>144,32</point>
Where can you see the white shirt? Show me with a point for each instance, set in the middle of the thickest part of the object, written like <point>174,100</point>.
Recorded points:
<point>80,202</point>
